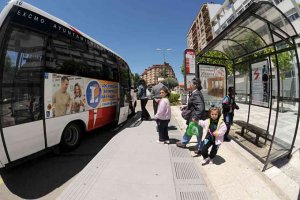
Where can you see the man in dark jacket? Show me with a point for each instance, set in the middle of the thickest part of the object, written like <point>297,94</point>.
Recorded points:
<point>197,105</point>
<point>142,94</point>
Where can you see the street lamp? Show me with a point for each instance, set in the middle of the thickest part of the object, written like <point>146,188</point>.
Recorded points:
<point>164,52</point>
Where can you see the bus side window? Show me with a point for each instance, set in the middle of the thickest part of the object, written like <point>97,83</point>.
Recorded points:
<point>21,78</point>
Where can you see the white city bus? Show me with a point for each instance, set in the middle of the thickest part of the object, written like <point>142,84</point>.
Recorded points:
<point>55,83</point>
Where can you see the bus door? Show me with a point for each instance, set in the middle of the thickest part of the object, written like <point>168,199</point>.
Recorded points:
<point>124,92</point>
<point>21,93</point>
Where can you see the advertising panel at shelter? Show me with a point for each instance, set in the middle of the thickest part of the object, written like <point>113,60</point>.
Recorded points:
<point>213,84</point>
<point>190,61</point>
<point>260,83</point>
<point>72,94</point>
<point>189,78</point>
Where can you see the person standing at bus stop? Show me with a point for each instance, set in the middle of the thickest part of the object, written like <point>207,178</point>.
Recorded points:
<point>156,94</point>
<point>142,94</point>
<point>61,99</point>
<point>229,106</point>
<point>197,105</point>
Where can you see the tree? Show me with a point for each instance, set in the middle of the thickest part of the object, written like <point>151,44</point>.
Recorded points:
<point>182,68</point>
<point>136,79</point>
<point>215,57</point>
<point>284,64</point>
<point>164,73</point>
<point>170,82</point>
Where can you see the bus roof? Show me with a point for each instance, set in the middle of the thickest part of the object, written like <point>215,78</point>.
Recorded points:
<point>32,8</point>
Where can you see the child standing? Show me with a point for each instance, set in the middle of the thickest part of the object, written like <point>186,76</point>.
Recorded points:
<point>163,116</point>
<point>215,128</point>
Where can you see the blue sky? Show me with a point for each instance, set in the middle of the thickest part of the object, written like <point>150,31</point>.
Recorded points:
<point>133,28</point>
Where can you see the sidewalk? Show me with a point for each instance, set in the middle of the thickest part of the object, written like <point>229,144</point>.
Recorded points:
<point>236,174</point>
<point>133,166</point>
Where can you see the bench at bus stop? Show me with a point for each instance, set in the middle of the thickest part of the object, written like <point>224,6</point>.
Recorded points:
<point>259,132</point>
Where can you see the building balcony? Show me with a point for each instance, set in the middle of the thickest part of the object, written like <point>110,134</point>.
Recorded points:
<point>206,20</point>
<point>209,37</point>
<point>207,29</point>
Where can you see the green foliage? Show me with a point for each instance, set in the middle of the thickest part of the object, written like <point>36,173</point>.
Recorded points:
<point>164,73</point>
<point>284,63</point>
<point>242,68</point>
<point>173,98</point>
<point>216,57</point>
<point>170,82</point>
<point>136,79</point>
<point>182,68</point>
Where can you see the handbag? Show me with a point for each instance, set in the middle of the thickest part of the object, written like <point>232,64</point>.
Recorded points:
<point>186,113</point>
<point>193,129</point>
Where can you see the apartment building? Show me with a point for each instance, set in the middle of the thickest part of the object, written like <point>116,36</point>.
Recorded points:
<point>151,74</point>
<point>201,31</point>
<point>230,9</point>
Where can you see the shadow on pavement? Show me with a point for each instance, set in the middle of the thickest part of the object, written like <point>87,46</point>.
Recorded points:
<point>218,160</point>
<point>37,177</point>
<point>172,127</point>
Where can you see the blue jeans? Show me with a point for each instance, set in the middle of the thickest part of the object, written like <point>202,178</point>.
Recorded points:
<point>186,139</point>
<point>228,119</point>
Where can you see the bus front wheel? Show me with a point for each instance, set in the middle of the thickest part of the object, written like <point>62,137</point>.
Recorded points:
<point>71,136</point>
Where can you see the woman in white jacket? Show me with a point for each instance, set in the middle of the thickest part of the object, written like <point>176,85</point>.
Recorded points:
<point>163,116</point>
<point>215,128</point>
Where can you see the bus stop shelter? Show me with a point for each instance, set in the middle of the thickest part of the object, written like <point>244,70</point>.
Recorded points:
<point>259,52</point>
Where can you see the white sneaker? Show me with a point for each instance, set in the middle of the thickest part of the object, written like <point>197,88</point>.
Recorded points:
<point>206,161</point>
<point>160,142</point>
<point>167,142</point>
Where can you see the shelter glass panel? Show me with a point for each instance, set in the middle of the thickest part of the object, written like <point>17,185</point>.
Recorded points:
<point>271,14</point>
<point>287,106</point>
<point>242,83</point>
<point>249,39</point>
<point>230,48</point>
<point>259,27</point>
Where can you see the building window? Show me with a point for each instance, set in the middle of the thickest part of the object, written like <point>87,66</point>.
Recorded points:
<point>293,17</point>
<point>278,1</point>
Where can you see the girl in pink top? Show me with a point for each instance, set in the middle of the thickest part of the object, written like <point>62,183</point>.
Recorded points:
<point>163,116</point>
<point>215,128</point>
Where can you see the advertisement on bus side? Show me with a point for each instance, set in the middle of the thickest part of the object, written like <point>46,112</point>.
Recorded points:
<point>65,94</point>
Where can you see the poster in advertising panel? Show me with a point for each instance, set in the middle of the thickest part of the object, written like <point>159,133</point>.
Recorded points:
<point>213,80</point>
<point>188,79</point>
<point>260,83</point>
<point>65,94</point>
<point>190,61</point>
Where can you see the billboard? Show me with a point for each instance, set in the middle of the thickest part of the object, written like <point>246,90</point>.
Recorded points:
<point>190,67</point>
<point>213,81</point>
<point>190,61</point>
<point>260,83</point>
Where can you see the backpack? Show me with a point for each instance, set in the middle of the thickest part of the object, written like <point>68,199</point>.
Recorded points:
<point>140,92</point>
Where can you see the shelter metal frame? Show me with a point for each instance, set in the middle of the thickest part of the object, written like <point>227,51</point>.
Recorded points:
<point>271,33</point>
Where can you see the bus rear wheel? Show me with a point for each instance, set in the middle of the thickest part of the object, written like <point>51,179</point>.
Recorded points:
<point>71,136</point>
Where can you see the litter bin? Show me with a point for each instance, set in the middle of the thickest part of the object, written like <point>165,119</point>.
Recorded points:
<point>183,99</point>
